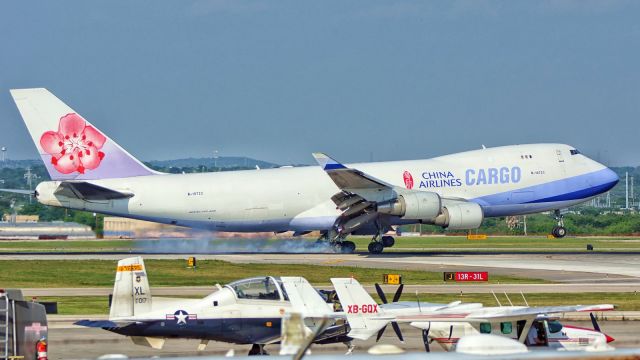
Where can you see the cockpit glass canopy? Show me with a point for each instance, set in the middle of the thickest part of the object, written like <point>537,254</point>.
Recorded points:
<point>574,151</point>
<point>262,288</point>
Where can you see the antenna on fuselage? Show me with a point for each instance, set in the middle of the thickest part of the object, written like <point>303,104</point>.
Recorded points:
<point>483,147</point>
<point>495,297</point>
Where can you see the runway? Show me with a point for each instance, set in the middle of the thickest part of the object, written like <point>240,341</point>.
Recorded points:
<point>574,268</point>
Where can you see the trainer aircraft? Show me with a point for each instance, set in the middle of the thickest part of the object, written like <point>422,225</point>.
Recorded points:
<point>89,171</point>
<point>247,311</point>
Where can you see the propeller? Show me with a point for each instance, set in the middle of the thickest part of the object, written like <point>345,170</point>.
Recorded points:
<point>425,338</point>
<point>596,327</point>
<point>394,325</point>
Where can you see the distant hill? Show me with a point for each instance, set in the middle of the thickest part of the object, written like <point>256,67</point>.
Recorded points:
<point>15,164</point>
<point>220,162</point>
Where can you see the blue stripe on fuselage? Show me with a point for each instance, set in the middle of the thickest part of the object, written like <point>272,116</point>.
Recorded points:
<point>568,189</point>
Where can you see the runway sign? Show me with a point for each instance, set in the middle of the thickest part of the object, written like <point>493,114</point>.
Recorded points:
<point>477,237</point>
<point>392,279</point>
<point>462,276</point>
<point>191,262</point>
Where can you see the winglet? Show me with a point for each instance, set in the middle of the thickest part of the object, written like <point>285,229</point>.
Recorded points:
<point>326,162</point>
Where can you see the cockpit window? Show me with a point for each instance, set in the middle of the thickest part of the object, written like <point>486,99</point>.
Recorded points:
<point>257,288</point>
<point>574,151</point>
<point>554,326</point>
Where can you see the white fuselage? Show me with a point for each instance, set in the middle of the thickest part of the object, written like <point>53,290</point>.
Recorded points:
<point>558,337</point>
<point>504,181</point>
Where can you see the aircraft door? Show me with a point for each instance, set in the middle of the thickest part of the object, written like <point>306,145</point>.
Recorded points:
<point>561,161</point>
<point>538,335</point>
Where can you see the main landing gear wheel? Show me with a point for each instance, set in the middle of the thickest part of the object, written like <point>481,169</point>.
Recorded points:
<point>347,247</point>
<point>559,231</point>
<point>376,247</point>
<point>388,241</point>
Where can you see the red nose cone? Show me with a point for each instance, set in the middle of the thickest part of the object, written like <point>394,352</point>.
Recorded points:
<point>609,338</point>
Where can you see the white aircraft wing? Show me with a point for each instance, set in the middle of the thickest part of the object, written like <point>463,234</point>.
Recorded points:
<point>349,179</point>
<point>498,314</point>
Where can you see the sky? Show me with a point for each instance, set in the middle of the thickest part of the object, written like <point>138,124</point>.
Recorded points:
<point>359,80</point>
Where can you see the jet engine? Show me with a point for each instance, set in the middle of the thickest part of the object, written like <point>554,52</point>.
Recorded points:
<point>460,216</point>
<point>418,205</point>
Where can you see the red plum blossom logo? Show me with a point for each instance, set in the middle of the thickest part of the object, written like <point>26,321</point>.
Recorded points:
<point>75,147</point>
<point>408,179</point>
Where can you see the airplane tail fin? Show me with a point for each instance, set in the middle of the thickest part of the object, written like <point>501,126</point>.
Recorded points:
<point>131,292</point>
<point>70,147</point>
<point>364,315</point>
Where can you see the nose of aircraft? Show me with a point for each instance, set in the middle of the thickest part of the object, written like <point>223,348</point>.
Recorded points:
<point>609,179</point>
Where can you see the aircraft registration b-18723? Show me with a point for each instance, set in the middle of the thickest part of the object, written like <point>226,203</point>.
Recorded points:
<point>89,171</point>
<point>247,311</point>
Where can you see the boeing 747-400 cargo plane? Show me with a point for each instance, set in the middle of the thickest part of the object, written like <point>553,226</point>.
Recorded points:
<point>89,171</point>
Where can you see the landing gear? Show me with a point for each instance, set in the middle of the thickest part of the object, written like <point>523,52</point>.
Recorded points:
<point>388,241</point>
<point>376,247</point>
<point>379,242</point>
<point>347,247</point>
<point>350,347</point>
<point>338,242</point>
<point>559,231</point>
<point>258,349</point>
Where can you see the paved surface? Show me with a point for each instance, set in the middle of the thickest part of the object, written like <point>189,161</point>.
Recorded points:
<point>75,342</point>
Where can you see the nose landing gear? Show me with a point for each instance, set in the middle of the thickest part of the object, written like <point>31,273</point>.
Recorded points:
<point>559,231</point>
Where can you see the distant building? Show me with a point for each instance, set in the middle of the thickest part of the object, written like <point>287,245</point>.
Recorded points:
<point>20,218</point>
<point>124,228</point>
<point>45,230</point>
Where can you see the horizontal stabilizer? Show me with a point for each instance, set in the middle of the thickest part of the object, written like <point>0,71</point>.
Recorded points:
<point>18,191</point>
<point>87,191</point>
<point>104,324</point>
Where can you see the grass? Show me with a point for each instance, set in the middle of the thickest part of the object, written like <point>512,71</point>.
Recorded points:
<point>425,243</point>
<point>101,273</point>
<point>98,305</point>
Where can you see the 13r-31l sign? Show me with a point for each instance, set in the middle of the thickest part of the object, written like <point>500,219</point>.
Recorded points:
<point>466,276</point>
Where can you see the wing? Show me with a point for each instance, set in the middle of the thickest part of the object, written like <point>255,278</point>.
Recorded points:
<point>87,191</point>
<point>348,179</point>
<point>305,299</point>
<point>359,196</point>
<point>500,314</point>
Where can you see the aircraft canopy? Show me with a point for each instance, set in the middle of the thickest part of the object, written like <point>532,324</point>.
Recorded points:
<point>259,288</point>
